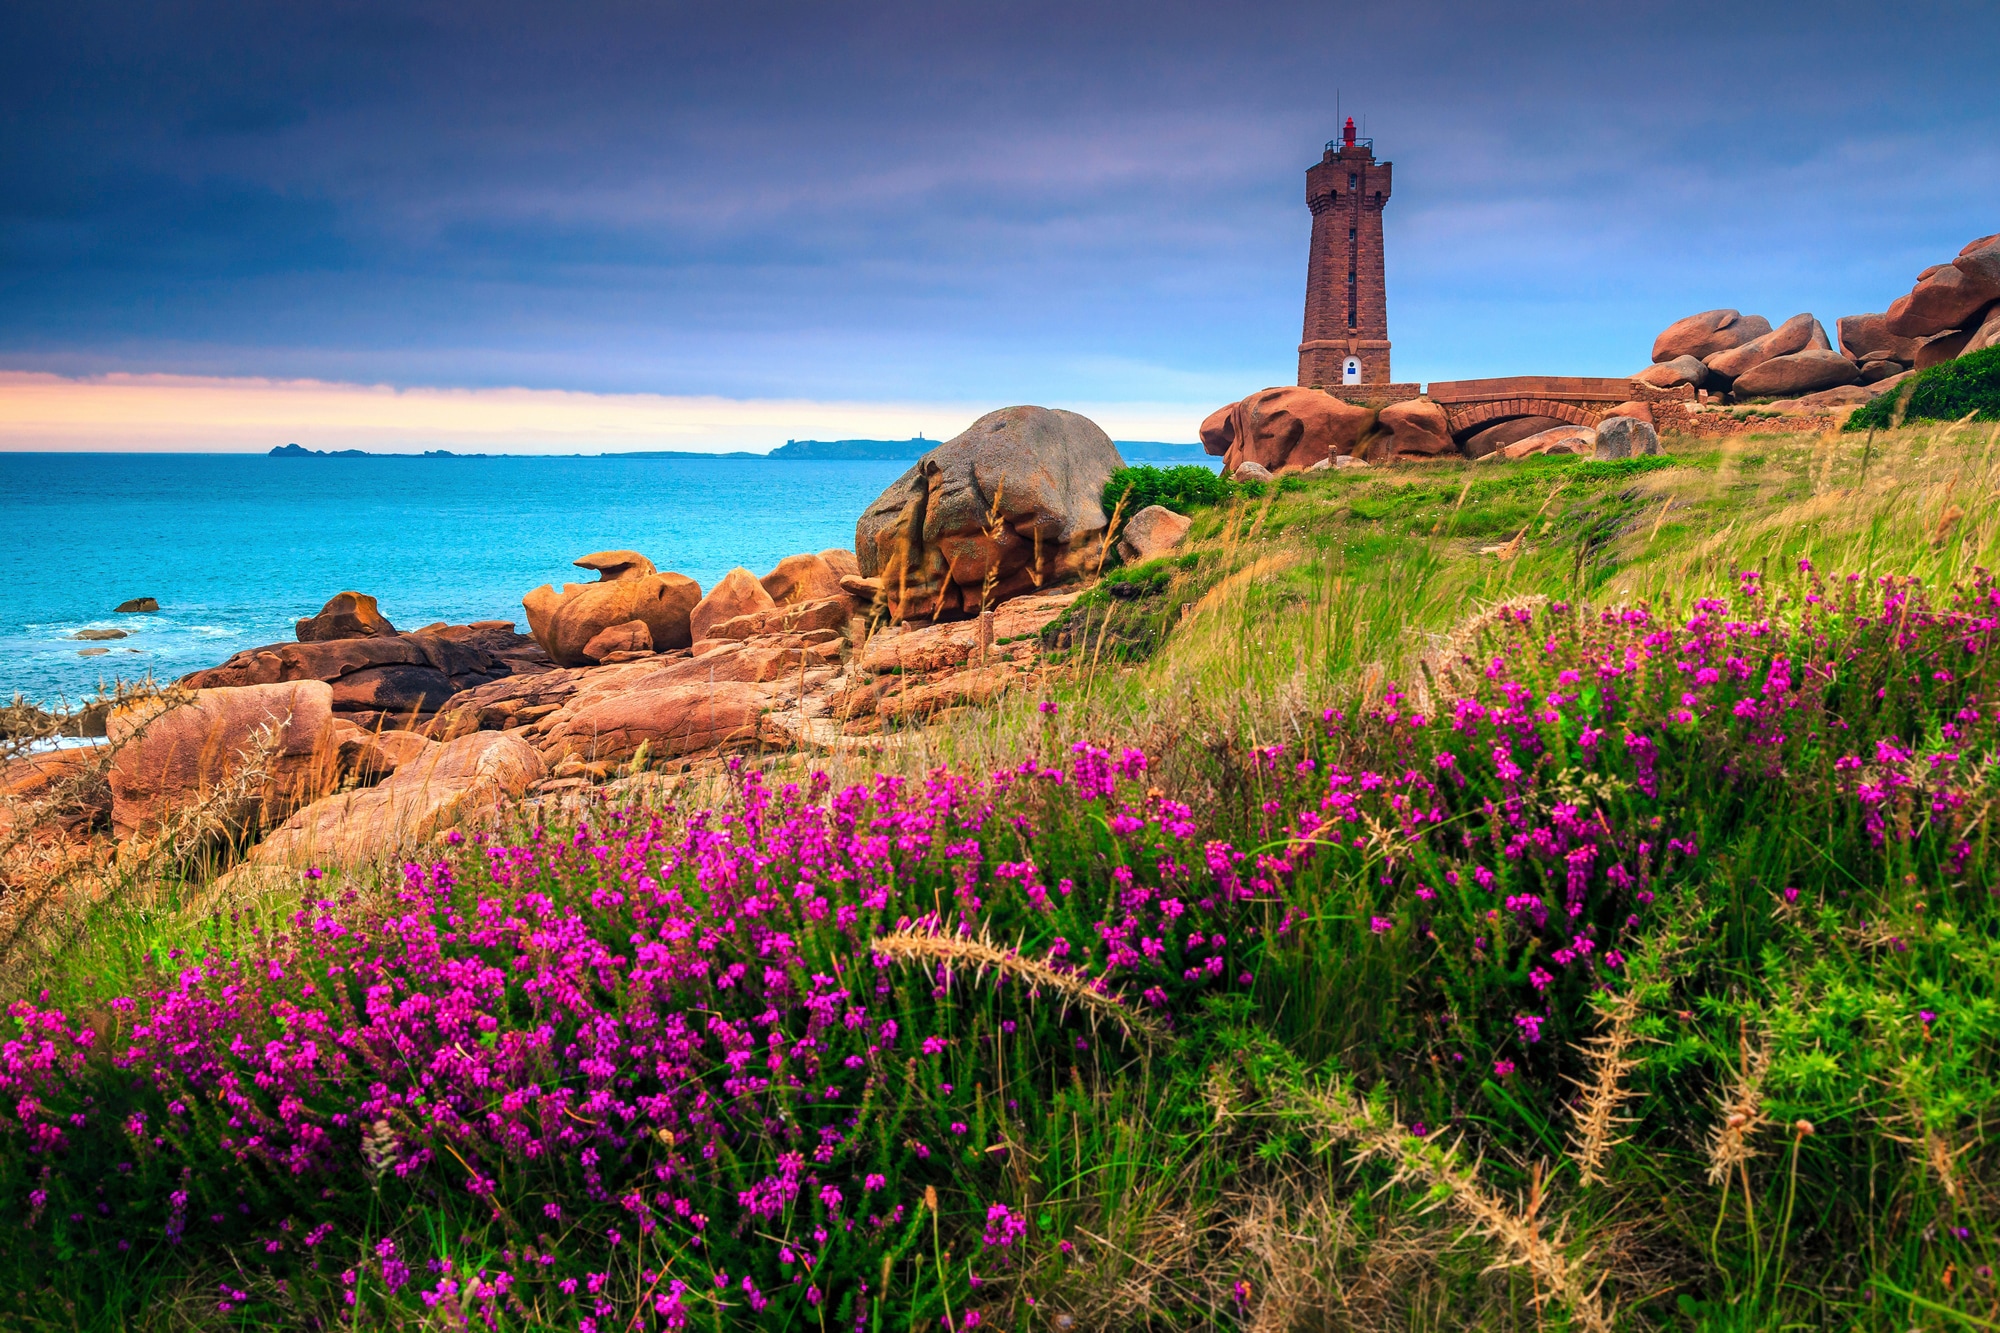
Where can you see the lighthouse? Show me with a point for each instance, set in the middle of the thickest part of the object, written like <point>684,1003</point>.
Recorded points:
<point>1346,339</point>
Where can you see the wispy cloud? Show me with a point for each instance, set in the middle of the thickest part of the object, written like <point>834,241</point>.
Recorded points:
<point>185,412</point>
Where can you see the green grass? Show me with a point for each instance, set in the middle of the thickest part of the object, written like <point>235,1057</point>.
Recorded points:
<point>1237,1155</point>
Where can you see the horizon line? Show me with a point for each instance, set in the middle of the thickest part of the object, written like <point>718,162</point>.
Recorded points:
<point>130,412</point>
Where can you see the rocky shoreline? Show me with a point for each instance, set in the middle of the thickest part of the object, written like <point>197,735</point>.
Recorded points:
<point>360,741</point>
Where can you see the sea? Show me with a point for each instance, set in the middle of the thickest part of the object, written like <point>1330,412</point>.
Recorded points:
<point>236,548</point>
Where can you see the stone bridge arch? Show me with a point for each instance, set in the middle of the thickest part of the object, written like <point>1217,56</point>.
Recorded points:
<point>1580,400</point>
<point>1470,417</point>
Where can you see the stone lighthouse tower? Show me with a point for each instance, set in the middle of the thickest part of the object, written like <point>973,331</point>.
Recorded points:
<point>1347,313</point>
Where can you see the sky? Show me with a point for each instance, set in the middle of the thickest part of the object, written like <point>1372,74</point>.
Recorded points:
<point>652,225</point>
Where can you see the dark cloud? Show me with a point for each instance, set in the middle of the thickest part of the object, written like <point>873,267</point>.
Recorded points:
<point>1054,202</point>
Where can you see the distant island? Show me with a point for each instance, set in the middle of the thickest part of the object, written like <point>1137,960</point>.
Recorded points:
<point>795,451</point>
<point>297,451</point>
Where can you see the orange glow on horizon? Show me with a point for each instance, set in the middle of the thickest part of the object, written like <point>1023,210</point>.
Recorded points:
<point>121,412</point>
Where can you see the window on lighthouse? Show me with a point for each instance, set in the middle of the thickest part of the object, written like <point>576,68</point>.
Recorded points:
<point>1351,372</point>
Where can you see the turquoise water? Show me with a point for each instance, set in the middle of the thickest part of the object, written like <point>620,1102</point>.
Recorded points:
<point>237,547</point>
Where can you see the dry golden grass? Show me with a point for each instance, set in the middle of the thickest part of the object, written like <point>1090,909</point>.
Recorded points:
<point>1740,1118</point>
<point>980,955</point>
<point>1597,1120</point>
<point>1519,1235</point>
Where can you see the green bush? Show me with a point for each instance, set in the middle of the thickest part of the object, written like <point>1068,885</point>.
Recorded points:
<point>1969,385</point>
<point>1182,489</point>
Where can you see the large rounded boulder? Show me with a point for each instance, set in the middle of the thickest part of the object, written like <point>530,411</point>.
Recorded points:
<point>1012,504</point>
<point>1702,336</point>
<point>1672,374</point>
<point>1798,334</point>
<point>1285,427</point>
<point>739,593</point>
<point>628,588</point>
<point>1948,296</point>
<point>1417,428</point>
<point>1800,372</point>
<point>1867,338</point>
<point>804,578</point>
<point>1625,437</point>
<point>1492,439</point>
<point>245,752</point>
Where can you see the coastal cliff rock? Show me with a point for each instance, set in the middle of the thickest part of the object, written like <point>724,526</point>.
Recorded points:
<point>442,785</point>
<point>628,588</point>
<point>806,578</point>
<point>365,756</point>
<point>387,679</point>
<point>630,637</point>
<point>1702,336</point>
<point>675,718</point>
<point>256,744</point>
<point>738,594</point>
<point>347,615</point>
<point>1016,497</point>
<point>776,686</point>
<point>1285,427</point>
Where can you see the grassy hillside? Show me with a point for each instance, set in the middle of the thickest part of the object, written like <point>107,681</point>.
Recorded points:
<point>1966,388</point>
<point>1450,896</point>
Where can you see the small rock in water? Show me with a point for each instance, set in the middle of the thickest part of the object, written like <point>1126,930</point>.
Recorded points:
<point>92,652</point>
<point>137,604</point>
<point>99,634</point>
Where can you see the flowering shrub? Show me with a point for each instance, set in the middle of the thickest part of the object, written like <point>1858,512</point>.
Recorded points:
<point>794,1059</point>
<point>673,1071</point>
<point>1565,804</point>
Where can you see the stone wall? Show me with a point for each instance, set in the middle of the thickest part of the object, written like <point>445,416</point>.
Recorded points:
<point>1681,418</point>
<point>1373,395</point>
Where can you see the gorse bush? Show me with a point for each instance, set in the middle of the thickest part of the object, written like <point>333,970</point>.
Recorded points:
<point>1183,488</point>
<point>859,1056</point>
<point>1966,386</point>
